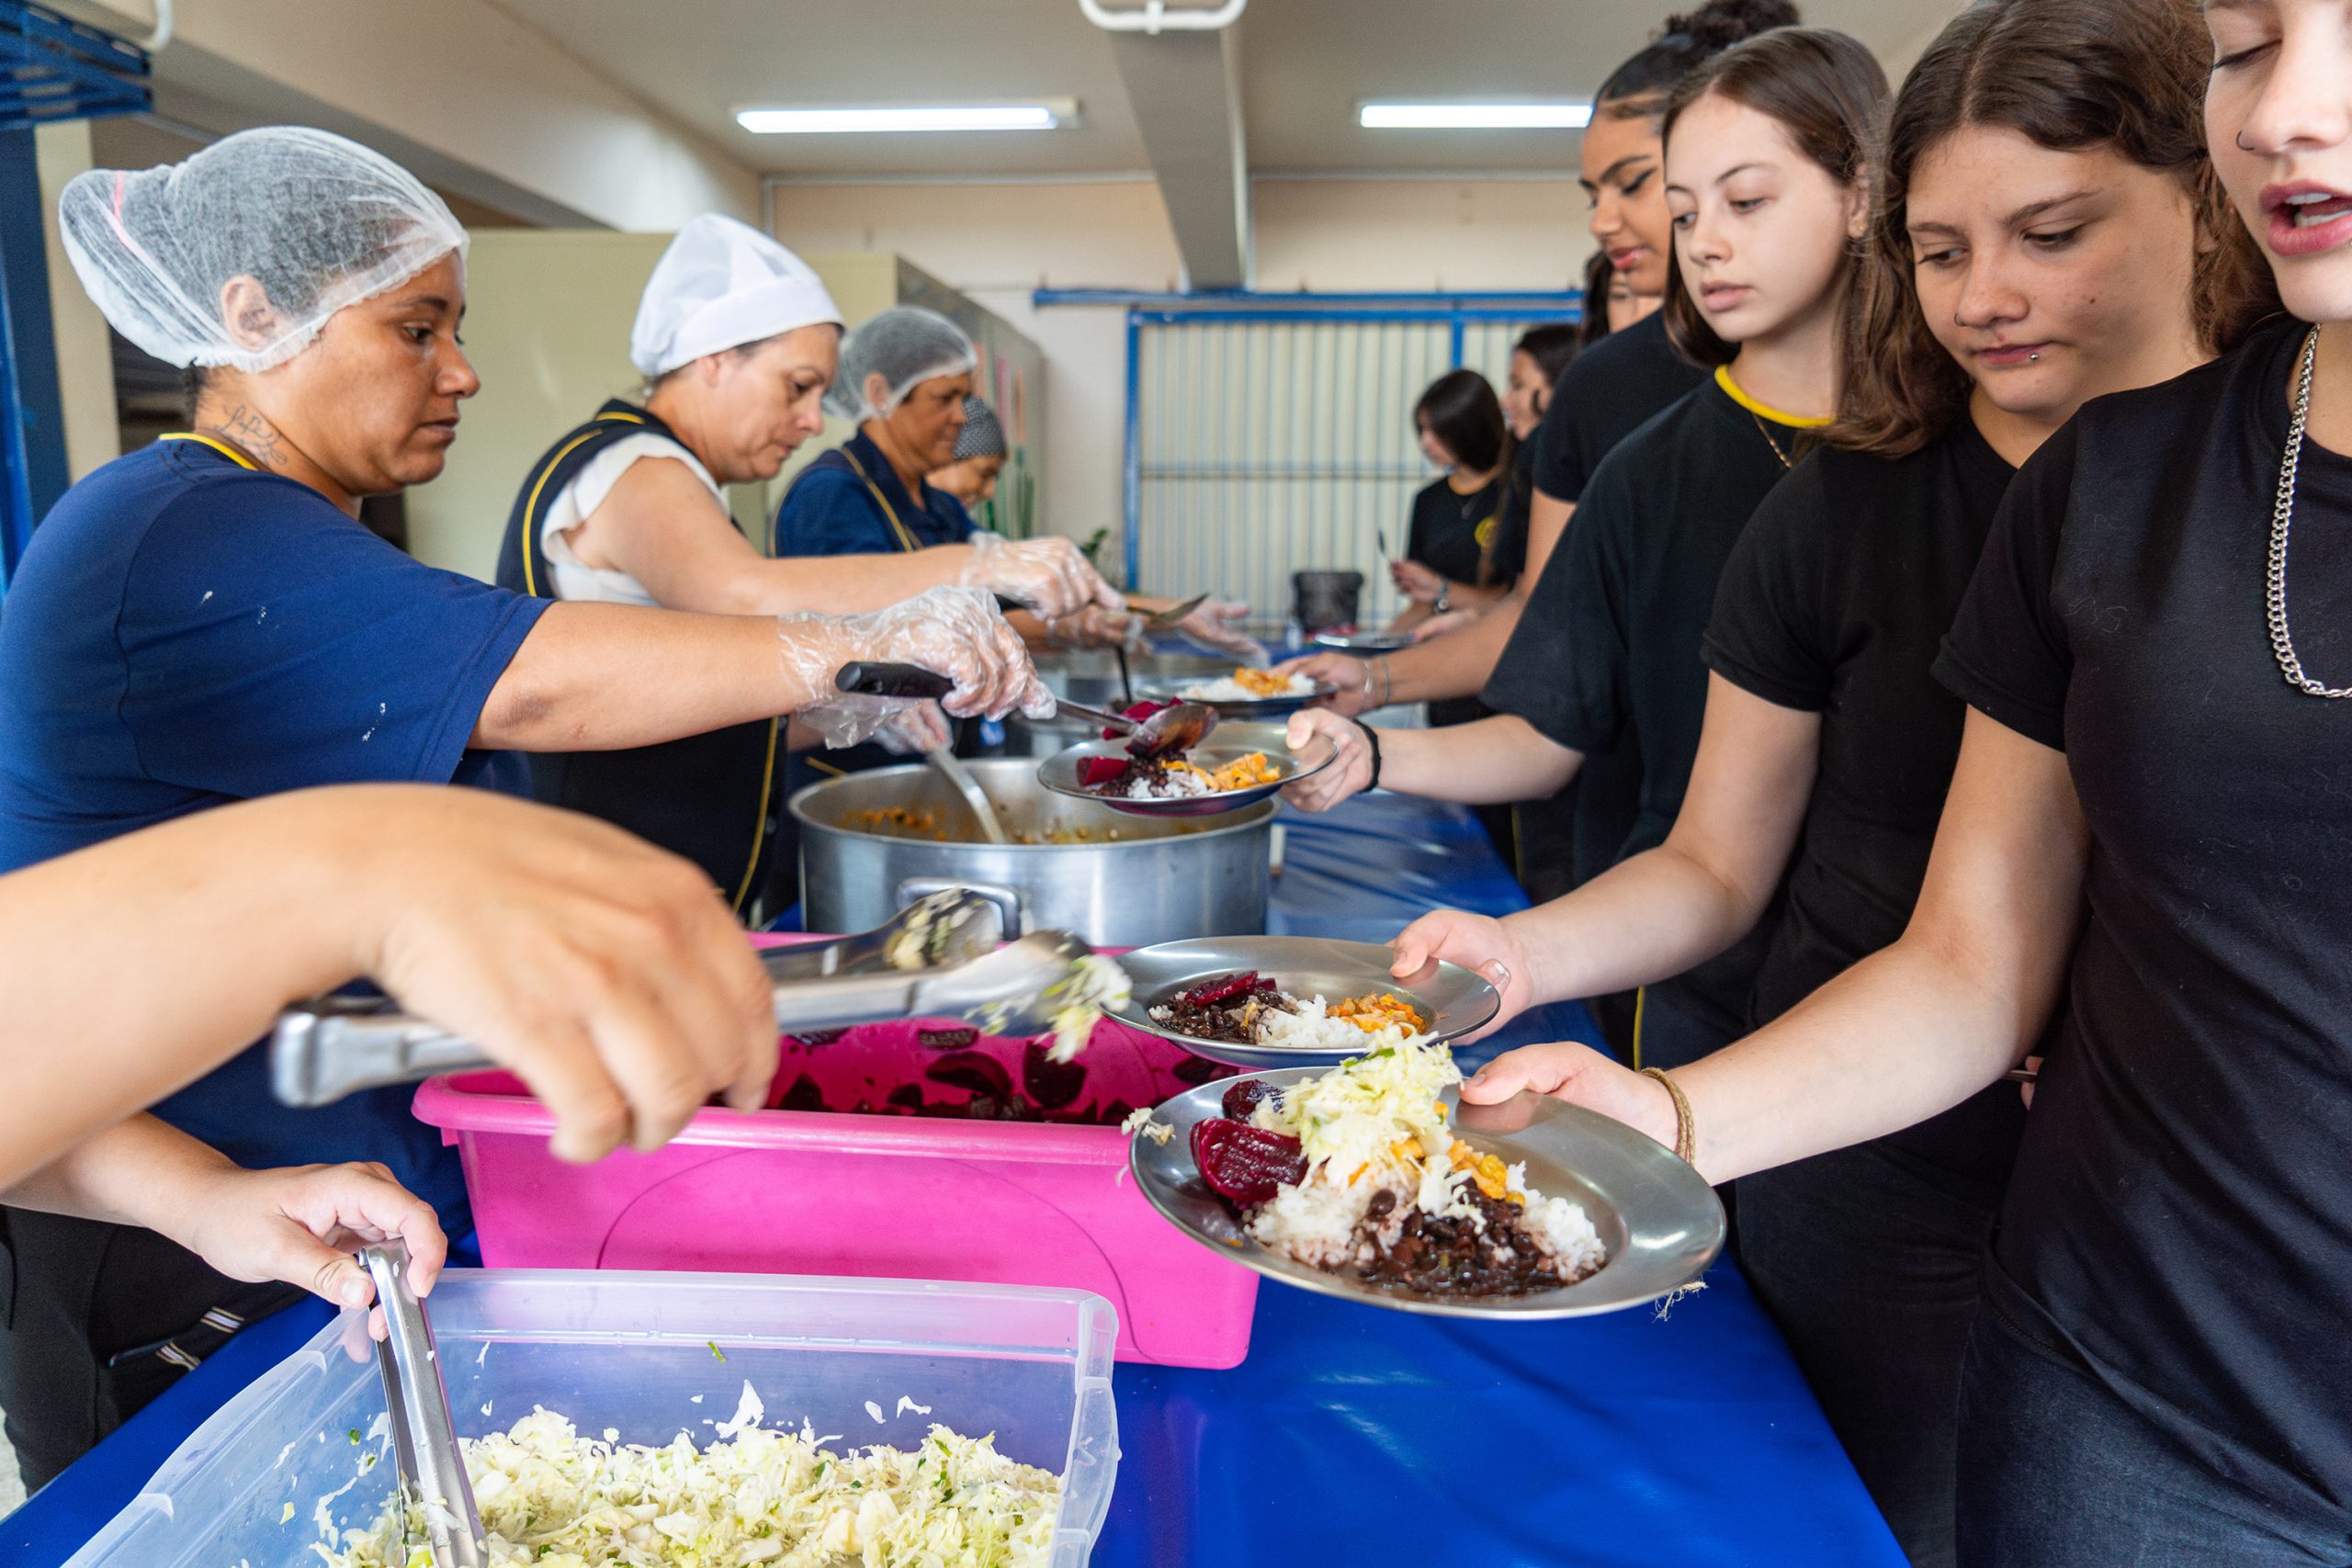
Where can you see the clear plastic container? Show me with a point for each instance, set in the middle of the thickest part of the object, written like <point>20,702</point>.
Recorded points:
<point>632,1351</point>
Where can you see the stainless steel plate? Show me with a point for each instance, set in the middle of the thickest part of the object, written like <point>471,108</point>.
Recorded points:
<point>1172,690</point>
<point>1363,642</point>
<point>1455,1000</point>
<point>1657,1217</point>
<point>1227,743</point>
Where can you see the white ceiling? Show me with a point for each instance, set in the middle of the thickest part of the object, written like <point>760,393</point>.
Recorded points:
<point>1305,64</point>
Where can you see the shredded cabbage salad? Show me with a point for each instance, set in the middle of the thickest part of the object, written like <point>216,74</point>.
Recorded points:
<point>551,1499</point>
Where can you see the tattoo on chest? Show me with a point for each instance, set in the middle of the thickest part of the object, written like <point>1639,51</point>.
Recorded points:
<point>255,435</point>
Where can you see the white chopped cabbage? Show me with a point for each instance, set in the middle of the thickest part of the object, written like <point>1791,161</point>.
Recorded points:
<point>551,1499</point>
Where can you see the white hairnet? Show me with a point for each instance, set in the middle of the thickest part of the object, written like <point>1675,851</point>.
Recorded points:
<point>905,346</point>
<point>722,284</point>
<point>318,221</point>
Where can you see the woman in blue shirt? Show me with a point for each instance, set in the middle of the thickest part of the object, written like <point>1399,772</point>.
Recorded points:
<point>205,620</point>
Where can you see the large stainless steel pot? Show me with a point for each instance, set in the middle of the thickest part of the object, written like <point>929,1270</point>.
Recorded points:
<point>1133,881</point>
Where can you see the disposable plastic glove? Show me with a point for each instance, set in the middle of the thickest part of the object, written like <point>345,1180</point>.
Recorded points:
<point>914,729</point>
<point>955,632</point>
<point>1050,576</point>
<point>1212,626</point>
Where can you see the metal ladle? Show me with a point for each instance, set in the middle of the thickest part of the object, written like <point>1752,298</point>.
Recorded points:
<point>1178,728</point>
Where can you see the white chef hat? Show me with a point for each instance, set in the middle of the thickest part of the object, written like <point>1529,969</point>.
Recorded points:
<point>318,221</point>
<point>722,284</point>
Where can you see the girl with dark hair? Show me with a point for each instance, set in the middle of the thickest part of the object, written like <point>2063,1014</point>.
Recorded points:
<point>2145,820</point>
<point>1608,394</point>
<point>1455,516</point>
<point>2043,225</point>
<point>1764,152</point>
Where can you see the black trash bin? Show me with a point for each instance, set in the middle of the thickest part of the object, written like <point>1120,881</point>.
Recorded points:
<point>1321,599</point>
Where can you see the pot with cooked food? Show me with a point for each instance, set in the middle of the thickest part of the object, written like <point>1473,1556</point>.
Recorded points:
<point>873,842</point>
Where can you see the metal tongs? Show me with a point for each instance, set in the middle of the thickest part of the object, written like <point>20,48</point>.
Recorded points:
<point>425,1436</point>
<point>937,959</point>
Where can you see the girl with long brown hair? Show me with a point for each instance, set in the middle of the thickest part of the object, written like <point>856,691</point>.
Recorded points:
<point>2046,229</point>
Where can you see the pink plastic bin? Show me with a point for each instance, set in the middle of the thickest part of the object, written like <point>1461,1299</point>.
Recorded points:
<point>889,1197</point>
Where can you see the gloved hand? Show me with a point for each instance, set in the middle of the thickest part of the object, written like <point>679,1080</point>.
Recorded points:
<point>1212,626</point>
<point>914,729</point>
<point>1050,576</point>
<point>1094,627</point>
<point>956,632</point>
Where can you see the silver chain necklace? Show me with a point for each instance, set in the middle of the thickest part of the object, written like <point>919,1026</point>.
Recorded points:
<point>2283,522</point>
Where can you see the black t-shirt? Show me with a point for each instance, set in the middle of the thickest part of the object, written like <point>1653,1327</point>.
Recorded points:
<point>2180,1217</point>
<point>1450,529</point>
<point>1507,556</point>
<point>1835,602</point>
<point>1605,660</point>
<point>1606,394</point>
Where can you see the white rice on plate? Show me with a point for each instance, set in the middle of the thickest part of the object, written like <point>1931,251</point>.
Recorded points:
<point>1226,689</point>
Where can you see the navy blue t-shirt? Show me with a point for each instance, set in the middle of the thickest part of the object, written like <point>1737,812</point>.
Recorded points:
<point>830,509</point>
<point>184,632</point>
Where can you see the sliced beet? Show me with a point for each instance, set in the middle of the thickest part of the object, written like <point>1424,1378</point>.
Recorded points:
<point>803,1095</point>
<point>1050,1083</point>
<point>973,1070</point>
<point>1245,1097</point>
<point>1224,989</point>
<point>1243,1164</point>
<point>1094,773</point>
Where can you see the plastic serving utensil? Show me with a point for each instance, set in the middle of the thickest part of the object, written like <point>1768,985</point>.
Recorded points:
<point>425,1436</point>
<point>935,960</point>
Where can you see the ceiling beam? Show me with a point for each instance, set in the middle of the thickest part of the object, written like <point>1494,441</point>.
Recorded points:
<point>1185,91</point>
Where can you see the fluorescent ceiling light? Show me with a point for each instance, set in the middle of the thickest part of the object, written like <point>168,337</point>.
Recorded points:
<point>912,117</point>
<point>1474,117</point>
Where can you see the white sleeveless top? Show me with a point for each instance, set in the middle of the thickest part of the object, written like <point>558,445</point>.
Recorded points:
<point>587,490</point>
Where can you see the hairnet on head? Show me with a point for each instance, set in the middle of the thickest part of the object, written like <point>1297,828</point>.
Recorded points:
<point>905,346</point>
<point>982,435</point>
<point>320,222</point>
<point>722,284</point>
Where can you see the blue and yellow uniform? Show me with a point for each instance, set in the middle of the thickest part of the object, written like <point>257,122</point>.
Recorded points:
<point>708,797</point>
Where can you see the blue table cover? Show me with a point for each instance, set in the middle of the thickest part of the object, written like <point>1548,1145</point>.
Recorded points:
<point>1351,1435</point>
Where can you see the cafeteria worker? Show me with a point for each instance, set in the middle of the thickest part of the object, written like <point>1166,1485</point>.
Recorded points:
<point>738,341</point>
<point>906,377</point>
<point>205,620</point>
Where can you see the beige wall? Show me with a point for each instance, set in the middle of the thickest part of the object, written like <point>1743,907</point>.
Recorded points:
<point>84,362</point>
<point>999,242</point>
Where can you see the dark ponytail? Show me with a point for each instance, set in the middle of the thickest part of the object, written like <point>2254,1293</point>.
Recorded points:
<point>1641,85</point>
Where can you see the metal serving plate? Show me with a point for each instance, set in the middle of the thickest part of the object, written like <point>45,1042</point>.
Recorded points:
<point>1166,690</point>
<point>1455,1000</point>
<point>1227,743</point>
<point>1657,1217</point>
<point>1363,642</point>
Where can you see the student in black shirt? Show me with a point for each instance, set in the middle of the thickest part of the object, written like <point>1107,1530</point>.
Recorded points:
<point>2009,279</point>
<point>1607,659</point>
<point>1462,431</point>
<point>2148,818</point>
<point>1610,389</point>
<point>1538,360</point>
